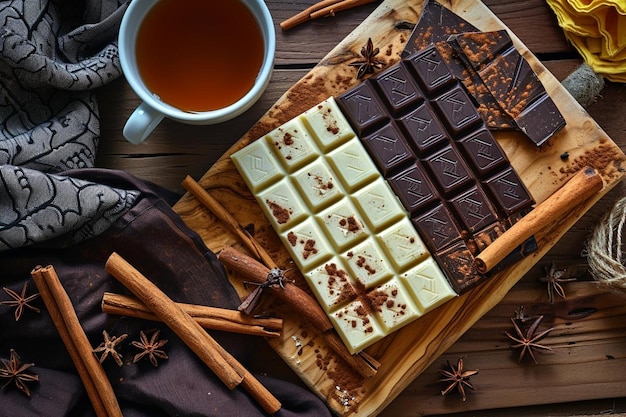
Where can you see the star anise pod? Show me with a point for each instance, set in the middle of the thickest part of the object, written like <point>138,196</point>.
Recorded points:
<point>554,278</point>
<point>457,378</point>
<point>109,347</point>
<point>20,301</point>
<point>529,341</point>
<point>149,348</point>
<point>370,63</point>
<point>13,370</point>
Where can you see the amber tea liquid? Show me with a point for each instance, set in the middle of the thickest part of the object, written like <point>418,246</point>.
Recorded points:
<point>199,55</point>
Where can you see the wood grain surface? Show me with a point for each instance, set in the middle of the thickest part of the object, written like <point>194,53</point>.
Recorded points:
<point>589,352</point>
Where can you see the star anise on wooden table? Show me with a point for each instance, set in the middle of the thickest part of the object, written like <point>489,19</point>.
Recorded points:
<point>149,347</point>
<point>457,378</point>
<point>20,301</point>
<point>13,370</point>
<point>528,342</point>
<point>109,347</point>
<point>554,278</point>
<point>370,63</point>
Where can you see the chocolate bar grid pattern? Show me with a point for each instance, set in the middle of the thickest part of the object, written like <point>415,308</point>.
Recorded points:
<point>342,225</point>
<point>428,140</point>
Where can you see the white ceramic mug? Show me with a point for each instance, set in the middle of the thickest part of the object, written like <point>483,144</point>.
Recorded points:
<point>152,110</point>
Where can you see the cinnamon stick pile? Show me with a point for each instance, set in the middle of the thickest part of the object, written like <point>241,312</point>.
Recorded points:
<point>222,363</point>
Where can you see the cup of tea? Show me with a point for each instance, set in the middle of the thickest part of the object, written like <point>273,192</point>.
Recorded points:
<point>194,61</point>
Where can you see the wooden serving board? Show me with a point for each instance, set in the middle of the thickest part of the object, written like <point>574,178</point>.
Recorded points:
<point>405,354</point>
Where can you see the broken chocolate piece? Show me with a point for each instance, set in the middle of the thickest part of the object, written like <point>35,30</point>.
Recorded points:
<point>508,92</point>
<point>436,25</point>
<point>511,81</point>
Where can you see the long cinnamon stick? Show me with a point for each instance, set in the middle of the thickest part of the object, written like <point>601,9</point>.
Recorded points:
<point>64,317</point>
<point>302,303</point>
<point>208,317</point>
<point>222,363</point>
<point>577,190</point>
<point>223,215</point>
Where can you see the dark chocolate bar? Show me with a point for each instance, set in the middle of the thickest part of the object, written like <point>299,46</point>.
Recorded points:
<point>427,139</point>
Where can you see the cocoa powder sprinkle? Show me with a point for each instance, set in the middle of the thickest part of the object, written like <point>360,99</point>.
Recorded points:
<point>280,213</point>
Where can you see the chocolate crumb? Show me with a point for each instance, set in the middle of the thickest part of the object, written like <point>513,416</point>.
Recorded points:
<point>281,214</point>
<point>309,248</point>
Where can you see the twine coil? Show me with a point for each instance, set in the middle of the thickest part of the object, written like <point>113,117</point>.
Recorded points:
<point>584,85</point>
<point>605,249</point>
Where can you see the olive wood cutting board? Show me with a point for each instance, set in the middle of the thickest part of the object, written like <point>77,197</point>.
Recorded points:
<point>405,354</point>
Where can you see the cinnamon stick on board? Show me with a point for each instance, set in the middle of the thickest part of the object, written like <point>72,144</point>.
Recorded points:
<point>222,363</point>
<point>578,189</point>
<point>208,317</point>
<point>224,216</point>
<point>302,303</point>
<point>64,317</point>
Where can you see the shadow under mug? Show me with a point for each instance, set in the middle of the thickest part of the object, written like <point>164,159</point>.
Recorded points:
<point>151,111</point>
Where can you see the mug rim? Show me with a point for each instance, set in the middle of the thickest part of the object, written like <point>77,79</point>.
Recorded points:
<point>129,27</point>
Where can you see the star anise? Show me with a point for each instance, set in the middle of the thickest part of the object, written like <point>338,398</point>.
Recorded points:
<point>457,378</point>
<point>109,347</point>
<point>149,348</point>
<point>529,341</point>
<point>20,301</point>
<point>370,63</point>
<point>13,370</point>
<point>554,278</point>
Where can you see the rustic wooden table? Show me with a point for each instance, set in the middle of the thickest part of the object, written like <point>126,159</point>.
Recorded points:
<point>575,383</point>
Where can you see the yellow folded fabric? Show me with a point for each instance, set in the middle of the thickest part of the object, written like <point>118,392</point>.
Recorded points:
<point>597,29</point>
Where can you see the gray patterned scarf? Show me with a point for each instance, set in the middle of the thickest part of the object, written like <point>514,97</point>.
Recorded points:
<point>53,54</point>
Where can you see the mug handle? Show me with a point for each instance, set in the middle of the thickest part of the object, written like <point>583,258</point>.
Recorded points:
<point>141,123</point>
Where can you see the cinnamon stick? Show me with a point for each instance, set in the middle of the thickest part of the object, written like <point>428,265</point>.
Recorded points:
<point>207,317</point>
<point>254,271</point>
<point>222,363</point>
<point>321,9</point>
<point>223,215</point>
<point>64,317</point>
<point>578,189</point>
<point>302,303</point>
